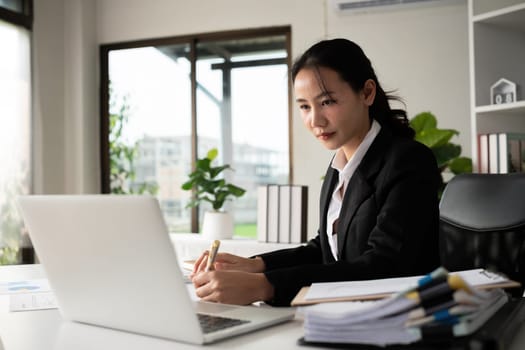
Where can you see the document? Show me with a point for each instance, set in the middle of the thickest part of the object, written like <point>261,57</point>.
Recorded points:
<point>381,288</point>
<point>32,301</point>
<point>24,286</point>
<point>25,295</point>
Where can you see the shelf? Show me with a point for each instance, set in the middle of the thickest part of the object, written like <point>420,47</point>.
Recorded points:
<point>515,108</point>
<point>509,17</point>
<point>497,50</point>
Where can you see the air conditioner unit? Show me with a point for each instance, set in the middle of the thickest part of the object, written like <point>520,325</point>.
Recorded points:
<point>372,5</point>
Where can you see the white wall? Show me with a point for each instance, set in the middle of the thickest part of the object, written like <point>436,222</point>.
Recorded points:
<point>48,55</point>
<point>81,99</point>
<point>66,109</point>
<point>422,52</point>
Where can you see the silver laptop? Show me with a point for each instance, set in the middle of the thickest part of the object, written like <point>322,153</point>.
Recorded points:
<point>110,262</point>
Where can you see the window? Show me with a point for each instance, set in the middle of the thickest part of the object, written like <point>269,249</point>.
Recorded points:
<point>171,100</point>
<point>15,125</point>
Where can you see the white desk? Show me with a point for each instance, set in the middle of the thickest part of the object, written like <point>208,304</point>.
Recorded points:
<point>44,330</point>
<point>191,245</point>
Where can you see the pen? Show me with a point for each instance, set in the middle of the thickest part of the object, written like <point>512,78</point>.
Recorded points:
<point>448,316</point>
<point>446,286</point>
<point>213,254</point>
<point>425,311</point>
<point>458,297</point>
<point>435,277</point>
<point>431,278</point>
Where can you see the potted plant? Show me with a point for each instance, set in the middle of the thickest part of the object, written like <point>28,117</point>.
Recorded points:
<point>209,187</point>
<point>448,154</point>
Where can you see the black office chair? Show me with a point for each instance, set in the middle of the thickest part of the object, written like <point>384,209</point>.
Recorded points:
<point>482,224</point>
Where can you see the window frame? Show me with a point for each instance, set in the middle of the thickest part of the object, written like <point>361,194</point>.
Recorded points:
<point>23,19</point>
<point>192,41</point>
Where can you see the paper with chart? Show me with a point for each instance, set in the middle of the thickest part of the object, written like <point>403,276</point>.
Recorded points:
<point>32,301</point>
<point>24,286</point>
<point>26,295</point>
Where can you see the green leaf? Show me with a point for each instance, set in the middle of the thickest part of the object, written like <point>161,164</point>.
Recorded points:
<point>435,137</point>
<point>236,191</point>
<point>212,154</point>
<point>187,185</point>
<point>460,165</point>
<point>217,170</point>
<point>423,121</point>
<point>445,153</point>
<point>220,199</point>
<point>203,164</point>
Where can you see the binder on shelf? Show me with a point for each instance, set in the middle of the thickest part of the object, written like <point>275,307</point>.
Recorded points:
<point>501,153</point>
<point>285,212</point>
<point>282,213</point>
<point>299,214</point>
<point>493,154</point>
<point>510,152</point>
<point>522,156</point>
<point>483,153</point>
<point>262,213</point>
<point>273,213</point>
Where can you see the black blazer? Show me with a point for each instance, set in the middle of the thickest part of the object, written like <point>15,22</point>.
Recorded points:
<point>388,225</point>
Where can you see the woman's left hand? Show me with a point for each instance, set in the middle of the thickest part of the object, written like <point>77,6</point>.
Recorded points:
<point>232,287</point>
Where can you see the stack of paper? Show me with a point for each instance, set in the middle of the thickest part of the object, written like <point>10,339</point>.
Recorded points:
<point>440,305</point>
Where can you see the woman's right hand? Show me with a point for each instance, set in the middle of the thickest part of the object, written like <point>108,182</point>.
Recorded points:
<point>226,261</point>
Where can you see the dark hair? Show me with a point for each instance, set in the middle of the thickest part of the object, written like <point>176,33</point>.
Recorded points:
<point>350,62</point>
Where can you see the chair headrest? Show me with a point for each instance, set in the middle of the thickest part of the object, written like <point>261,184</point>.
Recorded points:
<point>484,202</point>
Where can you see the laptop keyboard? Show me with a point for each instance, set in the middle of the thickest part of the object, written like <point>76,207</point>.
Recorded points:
<point>210,323</point>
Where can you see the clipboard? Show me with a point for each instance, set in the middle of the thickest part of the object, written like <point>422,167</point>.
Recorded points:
<point>300,298</point>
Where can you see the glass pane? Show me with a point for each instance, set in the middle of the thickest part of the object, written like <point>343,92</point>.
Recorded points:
<point>15,134</point>
<point>242,109</point>
<point>150,112</point>
<point>13,5</point>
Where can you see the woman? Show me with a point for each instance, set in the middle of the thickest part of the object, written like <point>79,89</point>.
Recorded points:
<point>378,207</point>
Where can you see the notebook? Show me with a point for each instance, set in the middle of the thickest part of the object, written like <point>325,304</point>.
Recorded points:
<point>110,262</point>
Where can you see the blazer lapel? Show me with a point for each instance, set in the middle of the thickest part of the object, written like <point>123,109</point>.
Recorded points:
<point>358,190</point>
<point>359,187</point>
<point>330,180</point>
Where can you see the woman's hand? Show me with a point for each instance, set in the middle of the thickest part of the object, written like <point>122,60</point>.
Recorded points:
<point>232,287</point>
<point>230,262</point>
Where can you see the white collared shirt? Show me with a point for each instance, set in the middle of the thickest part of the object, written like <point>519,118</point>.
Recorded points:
<point>346,169</point>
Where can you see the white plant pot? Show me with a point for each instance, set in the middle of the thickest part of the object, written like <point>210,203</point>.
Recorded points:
<point>217,225</point>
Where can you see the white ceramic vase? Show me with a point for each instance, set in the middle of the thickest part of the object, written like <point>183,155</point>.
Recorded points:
<point>217,225</point>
